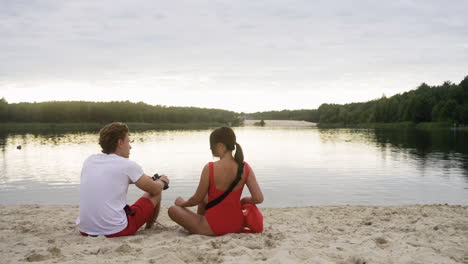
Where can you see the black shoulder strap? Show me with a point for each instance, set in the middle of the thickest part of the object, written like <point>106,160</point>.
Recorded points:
<point>228,191</point>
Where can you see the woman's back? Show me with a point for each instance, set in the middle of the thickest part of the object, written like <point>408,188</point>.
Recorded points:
<point>225,172</point>
<point>226,216</point>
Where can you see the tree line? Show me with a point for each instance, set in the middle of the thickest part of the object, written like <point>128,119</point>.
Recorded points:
<point>444,103</point>
<point>100,112</point>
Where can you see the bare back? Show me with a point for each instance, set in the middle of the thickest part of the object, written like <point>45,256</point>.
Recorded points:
<point>225,172</point>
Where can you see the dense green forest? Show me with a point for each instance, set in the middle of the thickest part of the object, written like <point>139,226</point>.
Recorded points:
<point>100,112</point>
<point>444,103</point>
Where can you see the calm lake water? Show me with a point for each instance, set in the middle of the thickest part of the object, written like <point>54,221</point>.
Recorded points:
<point>295,166</point>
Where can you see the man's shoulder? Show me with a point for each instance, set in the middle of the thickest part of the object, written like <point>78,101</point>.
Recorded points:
<point>95,157</point>
<point>106,159</point>
<point>123,161</point>
<point>90,158</point>
<point>131,163</point>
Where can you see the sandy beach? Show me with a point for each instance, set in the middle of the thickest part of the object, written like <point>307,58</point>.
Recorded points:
<point>323,234</point>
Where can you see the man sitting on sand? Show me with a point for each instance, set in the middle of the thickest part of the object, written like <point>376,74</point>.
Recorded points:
<point>104,184</point>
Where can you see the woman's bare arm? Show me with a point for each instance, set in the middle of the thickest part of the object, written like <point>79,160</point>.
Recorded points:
<point>254,188</point>
<point>202,189</point>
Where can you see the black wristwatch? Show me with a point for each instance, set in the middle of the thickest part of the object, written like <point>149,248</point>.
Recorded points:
<point>156,177</point>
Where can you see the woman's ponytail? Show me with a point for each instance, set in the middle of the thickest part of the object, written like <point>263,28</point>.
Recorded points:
<point>239,156</point>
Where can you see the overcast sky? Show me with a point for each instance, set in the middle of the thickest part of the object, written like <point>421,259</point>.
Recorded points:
<point>236,55</point>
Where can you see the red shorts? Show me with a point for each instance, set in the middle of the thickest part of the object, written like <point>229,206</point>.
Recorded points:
<point>142,211</point>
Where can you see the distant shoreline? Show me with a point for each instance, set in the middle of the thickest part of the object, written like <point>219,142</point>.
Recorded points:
<point>280,123</point>
<point>33,127</point>
<point>425,125</point>
<point>399,125</point>
<point>90,127</point>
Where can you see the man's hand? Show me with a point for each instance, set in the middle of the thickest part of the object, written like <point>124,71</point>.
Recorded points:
<point>164,178</point>
<point>147,184</point>
<point>179,201</point>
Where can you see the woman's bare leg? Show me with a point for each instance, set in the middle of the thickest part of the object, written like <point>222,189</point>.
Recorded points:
<point>192,222</point>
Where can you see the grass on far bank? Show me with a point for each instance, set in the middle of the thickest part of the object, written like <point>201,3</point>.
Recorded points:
<point>95,127</point>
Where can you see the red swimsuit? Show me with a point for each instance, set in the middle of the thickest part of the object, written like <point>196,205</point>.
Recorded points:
<point>225,217</point>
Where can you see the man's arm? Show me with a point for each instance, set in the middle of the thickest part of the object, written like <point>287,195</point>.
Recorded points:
<point>147,184</point>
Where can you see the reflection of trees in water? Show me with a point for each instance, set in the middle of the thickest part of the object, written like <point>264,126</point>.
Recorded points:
<point>424,142</point>
<point>424,146</point>
<point>3,140</point>
<point>11,140</point>
<point>428,146</point>
<point>339,135</point>
<point>3,143</point>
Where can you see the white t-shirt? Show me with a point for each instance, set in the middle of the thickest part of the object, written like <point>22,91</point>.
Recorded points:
<point>103,193</point>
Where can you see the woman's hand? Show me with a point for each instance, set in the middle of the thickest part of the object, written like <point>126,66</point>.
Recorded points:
<point>179,201</point>
<point>245,200</point>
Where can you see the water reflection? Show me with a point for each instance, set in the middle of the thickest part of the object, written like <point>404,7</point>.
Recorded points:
<point>3,138</point>
<point>295,166</point>
<point>424,142</point>
<point>447,149</point>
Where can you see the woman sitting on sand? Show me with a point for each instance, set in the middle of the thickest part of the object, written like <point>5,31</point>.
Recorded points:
<point>226,216</point>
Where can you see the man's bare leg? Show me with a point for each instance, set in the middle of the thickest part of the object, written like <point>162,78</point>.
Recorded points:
<point>156,200</point>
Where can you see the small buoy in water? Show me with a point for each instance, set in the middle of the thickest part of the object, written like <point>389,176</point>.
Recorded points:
<point>18,147</point>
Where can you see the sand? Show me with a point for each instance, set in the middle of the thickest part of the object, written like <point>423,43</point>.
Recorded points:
<point>323,234</point>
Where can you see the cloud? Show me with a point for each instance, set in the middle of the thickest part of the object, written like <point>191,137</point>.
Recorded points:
<point>315,48</point>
